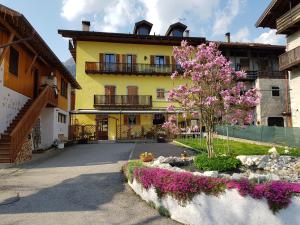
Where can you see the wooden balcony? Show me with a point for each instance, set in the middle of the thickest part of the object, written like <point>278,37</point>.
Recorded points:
<point>287,23</point>
<point>290,59</point>
<point>133,69</point>
<point>122,101</point>
<point>253,75</point>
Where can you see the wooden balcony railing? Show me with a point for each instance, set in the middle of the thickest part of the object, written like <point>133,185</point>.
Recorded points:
<point>288,21</point>
<point>289,59</point>
<point>124,68</point>
<point>123,101</point>
<point>28,120</point>
<point>253,75</point>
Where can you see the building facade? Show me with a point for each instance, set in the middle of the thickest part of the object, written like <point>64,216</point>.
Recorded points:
<point>284,15</point>
<point>125,79</point>
<point>35,90</point>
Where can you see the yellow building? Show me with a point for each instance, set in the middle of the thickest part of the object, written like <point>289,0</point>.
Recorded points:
<point>125,79</point>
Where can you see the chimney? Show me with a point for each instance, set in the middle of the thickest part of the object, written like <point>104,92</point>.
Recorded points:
<point>187,33</point>
<point>86,25</point>
<point>227,36</point>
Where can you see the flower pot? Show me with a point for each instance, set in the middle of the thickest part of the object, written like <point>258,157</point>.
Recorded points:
<point>147,158</point>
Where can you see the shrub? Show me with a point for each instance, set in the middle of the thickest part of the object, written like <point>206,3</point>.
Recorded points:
<point>129,167</point>
<point>219,163</point>
<point>163,211</point>
<point>184,186</point>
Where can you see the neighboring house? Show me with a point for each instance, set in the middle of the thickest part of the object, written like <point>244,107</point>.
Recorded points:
<point>125,79</point>
<point>35,90</point>
<point>284,15</point>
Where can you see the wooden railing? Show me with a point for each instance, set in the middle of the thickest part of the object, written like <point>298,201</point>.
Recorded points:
<point>124,68</point>
<point>288,20</point>
<point>28,120</point>
<point>253,75</point>
<point>117,101</point>
<point>289,59</point>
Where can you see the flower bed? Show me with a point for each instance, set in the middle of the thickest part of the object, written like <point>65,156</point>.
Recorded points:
<point>187,196</point>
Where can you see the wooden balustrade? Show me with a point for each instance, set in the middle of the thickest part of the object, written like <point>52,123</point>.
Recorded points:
<point>289,59</point>
<point>28,120</point>
<point>288,22</point>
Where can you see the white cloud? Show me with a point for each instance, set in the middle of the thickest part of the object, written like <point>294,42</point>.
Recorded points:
<point>225,17</point>
<point>242,35</point>
<point>269,37</point>
<point>112,15</point>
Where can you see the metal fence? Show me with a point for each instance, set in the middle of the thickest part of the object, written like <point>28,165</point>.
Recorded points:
<point>279,135</point>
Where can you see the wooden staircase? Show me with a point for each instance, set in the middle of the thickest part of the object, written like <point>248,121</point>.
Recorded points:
<point>13,138</point>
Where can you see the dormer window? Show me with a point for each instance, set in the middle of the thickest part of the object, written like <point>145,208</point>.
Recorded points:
<point>142,28</point>
<point>176,30</point>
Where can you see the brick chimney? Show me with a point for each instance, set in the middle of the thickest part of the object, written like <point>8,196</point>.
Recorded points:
<point>86,25</point>
<point>227,37</point>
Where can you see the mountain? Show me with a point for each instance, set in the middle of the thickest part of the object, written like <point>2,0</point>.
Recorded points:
<point>71,66</point>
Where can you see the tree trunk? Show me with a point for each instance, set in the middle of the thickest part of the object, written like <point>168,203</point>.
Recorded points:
<point>209,143</point>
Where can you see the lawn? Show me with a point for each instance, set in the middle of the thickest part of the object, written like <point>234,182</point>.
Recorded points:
<point>237,148</point>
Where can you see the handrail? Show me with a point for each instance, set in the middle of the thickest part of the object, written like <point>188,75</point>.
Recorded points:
<point>123,100</point>
<point>289,59</point>
<point>130,68</point>
<point>28,120</point>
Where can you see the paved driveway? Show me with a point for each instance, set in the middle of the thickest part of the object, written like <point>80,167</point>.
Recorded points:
<point>80,185</point>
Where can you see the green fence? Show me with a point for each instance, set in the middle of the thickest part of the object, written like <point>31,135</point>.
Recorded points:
<point>278,135</point>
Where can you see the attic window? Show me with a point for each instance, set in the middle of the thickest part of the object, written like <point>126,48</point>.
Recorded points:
<point>177,33</point>
<point>143,31</point>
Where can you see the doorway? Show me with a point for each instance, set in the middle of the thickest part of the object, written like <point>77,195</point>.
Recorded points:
<point>102,127</point>
<point>36,83</point>
<point>276,121</point>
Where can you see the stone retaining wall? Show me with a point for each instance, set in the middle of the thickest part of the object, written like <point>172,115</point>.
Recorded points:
<point>230,208</point>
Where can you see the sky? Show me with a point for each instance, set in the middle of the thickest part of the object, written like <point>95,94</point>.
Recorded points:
<point>205,18</point>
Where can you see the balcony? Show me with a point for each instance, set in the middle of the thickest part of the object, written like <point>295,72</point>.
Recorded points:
<point>124,68</point>
<point>287,23</point>
<point>253,75</point>
<point>122,101</point>
<point>290,59</point>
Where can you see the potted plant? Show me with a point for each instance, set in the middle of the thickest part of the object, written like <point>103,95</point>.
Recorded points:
<point>146,157</point>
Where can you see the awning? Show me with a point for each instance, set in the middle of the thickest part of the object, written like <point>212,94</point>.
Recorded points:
<point>95,111</point>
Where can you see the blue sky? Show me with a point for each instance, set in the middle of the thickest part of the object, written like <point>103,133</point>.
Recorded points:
<point>208,18</point>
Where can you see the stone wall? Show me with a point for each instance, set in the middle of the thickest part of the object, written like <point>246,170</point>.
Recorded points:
<point>26,152</point>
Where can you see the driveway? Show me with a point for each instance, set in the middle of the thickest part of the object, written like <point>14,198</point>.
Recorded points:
<point>80,185</point>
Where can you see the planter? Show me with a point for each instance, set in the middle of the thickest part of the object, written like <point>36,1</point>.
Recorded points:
<point>228,208</point>
<point>146,158</point>
<point>61,145</point>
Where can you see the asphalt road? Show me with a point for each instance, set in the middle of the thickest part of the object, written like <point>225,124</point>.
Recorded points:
<point>80,185</point>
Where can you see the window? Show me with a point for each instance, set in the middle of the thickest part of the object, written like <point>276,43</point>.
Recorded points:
<point>160,93</point>
<point>276,121</point>
<point>13,61</point>
<point>62,118</point>
<point>245,64</point>
<point>129,59</point>
<point>177,33</point>
<point>275,91</point>
<point>159,60</point>
<point>131,119</point>
<point>64,88</point>
<point>143,31</point>
<point>110,62</point>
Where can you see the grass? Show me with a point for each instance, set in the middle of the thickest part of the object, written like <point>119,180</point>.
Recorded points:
<point>235,147</point>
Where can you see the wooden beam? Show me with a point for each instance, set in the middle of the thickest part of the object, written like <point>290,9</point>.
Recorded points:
<point>31,65</point>
<point>5,49</point>
<point>12,30</point>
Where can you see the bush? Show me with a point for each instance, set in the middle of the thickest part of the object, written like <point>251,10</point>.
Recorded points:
<point>219,163</point>
<point>129,167</point>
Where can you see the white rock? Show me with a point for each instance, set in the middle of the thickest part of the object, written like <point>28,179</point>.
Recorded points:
<point>198,174</point>
<point>211,174</point>
<point>237,176</point>
<point>258,177</point>
<point>272,150</point>
<point>272,176</point>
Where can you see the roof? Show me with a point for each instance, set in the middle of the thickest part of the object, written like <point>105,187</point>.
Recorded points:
<point>275,10</point>
<point>15,21</point>
<point>141,23</point>
<point>250,45</point>
<point>177,25</point>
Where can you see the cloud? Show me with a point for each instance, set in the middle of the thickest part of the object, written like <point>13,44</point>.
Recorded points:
<point>269,37</point>
<point>242,35</point>
<point>225,17</point>
<point>113,15</point>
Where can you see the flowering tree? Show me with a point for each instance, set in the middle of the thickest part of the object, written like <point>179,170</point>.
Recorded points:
<point>211,91</point>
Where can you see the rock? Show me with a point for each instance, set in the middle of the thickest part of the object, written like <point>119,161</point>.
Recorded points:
<point>211,174</point>
<point>263,162</point>
<point>198,174</point>
<point>272,150</point>
<point>272,176</point>
<point>259,178</point>
<point>237,176</point>
<point>242,158</point>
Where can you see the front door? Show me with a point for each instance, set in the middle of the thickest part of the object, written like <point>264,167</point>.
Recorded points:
<point>36,80</point>
<point>102,127</point>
